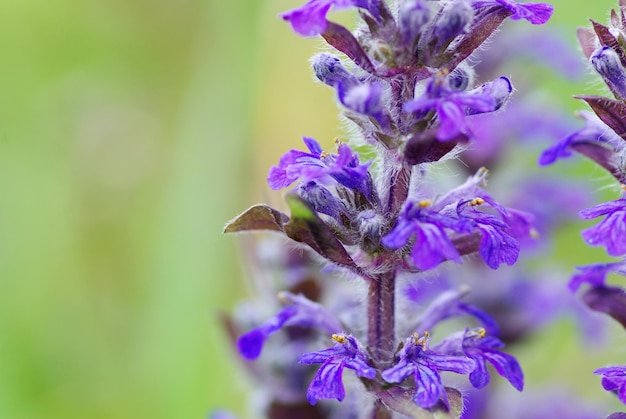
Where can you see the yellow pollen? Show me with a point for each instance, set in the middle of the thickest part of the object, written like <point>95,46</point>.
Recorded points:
<point>324,154</point>
<point>476,201</point>
<point>339,338</point>
<point>424,203</point>
<point>623,187</point>
<point>425,340</point>
<point>282,297</point>
<point>482,332</point>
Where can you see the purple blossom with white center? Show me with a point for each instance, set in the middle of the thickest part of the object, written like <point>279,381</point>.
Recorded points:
<point>424,364</point>
<point>481,348</point>
<point>301,312</point>
<point>310,18</point>
<point>451,106</point>
<point>432,245</point>
<point>535,13</point>
<point>611,231</point>
<point>614,380</point>
<point>346,353</point>
<point>343,167</point>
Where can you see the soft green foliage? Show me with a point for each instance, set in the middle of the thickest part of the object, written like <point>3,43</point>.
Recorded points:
<point>126,131</point>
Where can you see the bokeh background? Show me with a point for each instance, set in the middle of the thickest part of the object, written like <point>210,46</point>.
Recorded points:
<point>130,132</point>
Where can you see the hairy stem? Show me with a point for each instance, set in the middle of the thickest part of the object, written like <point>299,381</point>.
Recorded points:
<point>380,318</point>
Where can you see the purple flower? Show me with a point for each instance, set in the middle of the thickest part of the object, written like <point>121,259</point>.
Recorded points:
<point>535,13</point>
<point>595,133</point>
<point>451,106</point>
<point>416,359</point>
<point>310,18</point>
<point>481,348</point>
<point>343,167</point>
<point>432,245</point>
<point>346,353</point>
<point>448,305</point>
<point>496,245</point>
<point>595,275</point>
<point>614,379</point>
<point>301,312</point>
<point>610,232</point>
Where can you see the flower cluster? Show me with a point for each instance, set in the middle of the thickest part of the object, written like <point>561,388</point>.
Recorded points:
<point>602,141</point>
<point>406,83</point>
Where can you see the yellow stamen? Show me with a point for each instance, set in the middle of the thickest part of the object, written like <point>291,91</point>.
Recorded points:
<point>282,297</point>
<point>534,233</point>
<point>623,187</point>
<point>476,201</point>
<point>339,338</point>
<point>482,332</point>
<point>324,154</point>
<point>424,203</point>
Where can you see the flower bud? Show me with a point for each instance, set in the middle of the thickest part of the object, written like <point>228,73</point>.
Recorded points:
<point>413,17</point>
<point>460,79</point>
<point>321,199</point>
<point>370,226</point>
<point>452,22</point>
<point>607,63</point>
<point>329,70</point>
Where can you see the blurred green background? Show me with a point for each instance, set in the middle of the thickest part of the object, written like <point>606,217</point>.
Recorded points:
<point>130,132</point>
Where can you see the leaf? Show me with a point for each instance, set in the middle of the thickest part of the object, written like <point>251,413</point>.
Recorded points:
<point>612,112</point>
<point>401,400</point>
<point>486,24</point>
<point>305,226</point>
<point>257,217</point>
<point>343,40</point>
<point>586,39</point>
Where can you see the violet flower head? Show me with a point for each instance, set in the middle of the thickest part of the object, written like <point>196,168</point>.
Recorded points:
<point>343,167</point>
<point>482,348</point>
<point>451,106</point>
<point>535,13</point>
<point>594,135</point>
<point>432,245</point>
<point>611,231</point>
<point>614,380</point>
<point>450,304</point>
<point>595,275</point>
<point>301,312</point>
<point>424,364</point>
<point>496,245</point>
<point>310,18</point>
<point>346,353</point>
